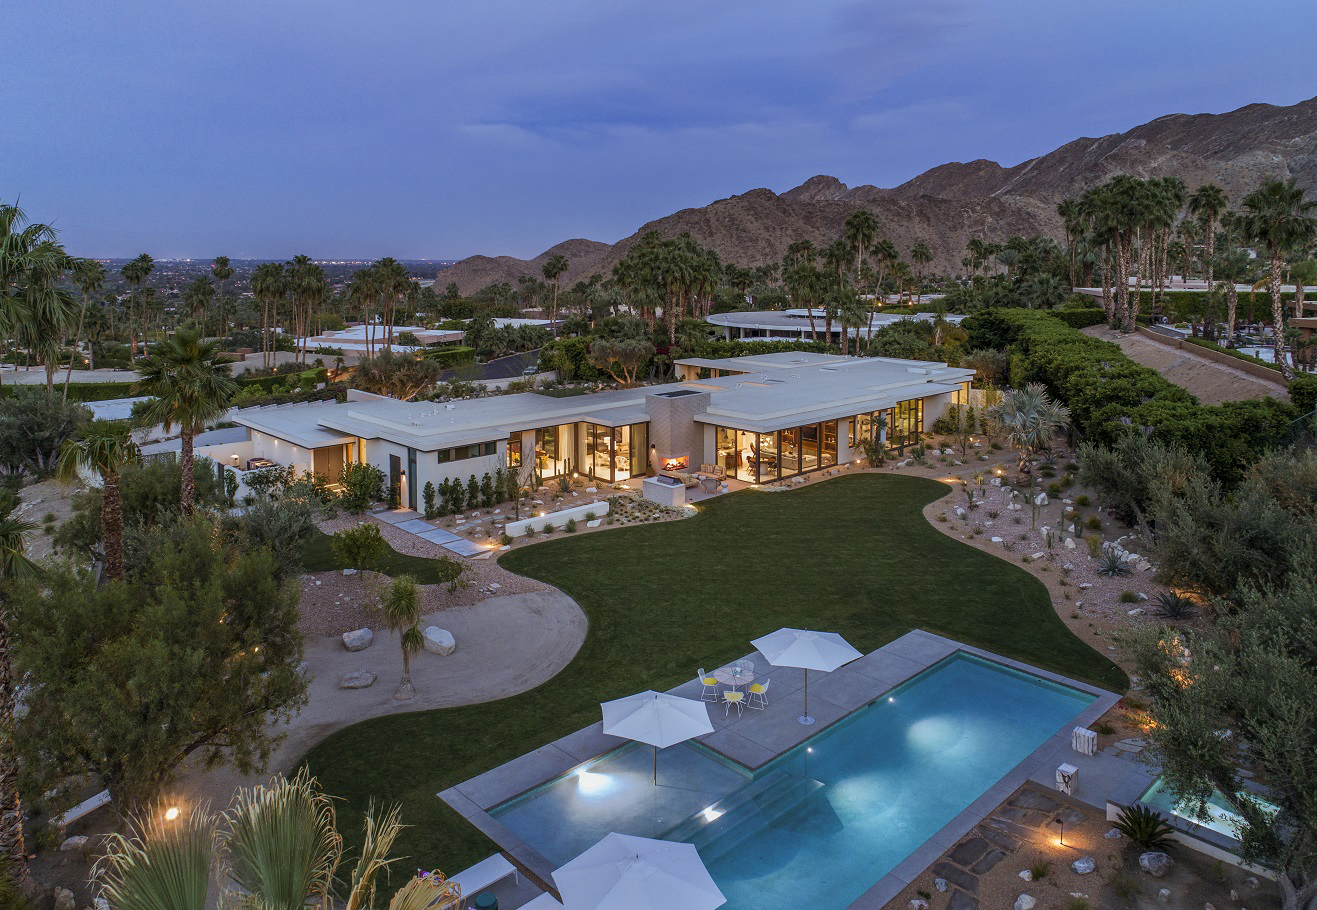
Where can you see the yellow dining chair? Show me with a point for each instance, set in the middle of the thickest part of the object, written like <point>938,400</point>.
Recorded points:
<point>759,691</point>
<point>734,698</point>
<point>710,691</point>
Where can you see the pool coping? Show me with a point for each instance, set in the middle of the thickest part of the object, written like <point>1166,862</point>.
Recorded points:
<point>752,741</point>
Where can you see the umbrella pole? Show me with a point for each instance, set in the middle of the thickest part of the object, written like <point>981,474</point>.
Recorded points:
<point>805,718</point>
<point>656,766</point>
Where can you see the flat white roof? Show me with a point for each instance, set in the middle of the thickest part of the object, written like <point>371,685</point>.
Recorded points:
<point>778,390</point>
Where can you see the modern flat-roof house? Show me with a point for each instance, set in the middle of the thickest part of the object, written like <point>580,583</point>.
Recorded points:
<point>794,325</point>
<point>761,418</point>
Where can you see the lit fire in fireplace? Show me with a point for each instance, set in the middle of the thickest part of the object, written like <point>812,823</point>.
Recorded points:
<point>677,463</point>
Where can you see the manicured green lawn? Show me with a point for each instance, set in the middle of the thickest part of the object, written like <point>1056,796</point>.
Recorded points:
<point>318,556</point>
<point>854,555</point>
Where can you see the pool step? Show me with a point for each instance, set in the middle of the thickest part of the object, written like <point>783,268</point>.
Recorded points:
<point>752,809</point>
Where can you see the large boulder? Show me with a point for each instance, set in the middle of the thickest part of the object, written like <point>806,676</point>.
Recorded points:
<point>1155,863</point>
<point>358,639</point>
<point>362,679</point>
<point>439,641</point>
<point>75,844</point>
<point>1025,902</point>
<point>64,899</point>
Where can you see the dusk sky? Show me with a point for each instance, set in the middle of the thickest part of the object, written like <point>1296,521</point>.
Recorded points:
<point>435,130</point>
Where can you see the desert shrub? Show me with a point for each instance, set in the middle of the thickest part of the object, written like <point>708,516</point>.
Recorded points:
<point>1145,827</point>
<point>1082,500</point>
<point>1040,870</point>
<point>1174,605</point>
<point>1112,566</point>
<point>363,486</point>
<point>362,547</point>
<point>1094,523</point>
<point>570,527</point>
<point>1128,597</point>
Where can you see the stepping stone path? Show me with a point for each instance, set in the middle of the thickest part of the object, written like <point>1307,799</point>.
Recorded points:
<point>1025,817</point>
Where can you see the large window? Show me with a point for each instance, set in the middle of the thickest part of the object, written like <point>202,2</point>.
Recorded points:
<point>904,425</point>
<point>461,453</point>
<point>554,450</point>
<point>514,450</point>
<point>615,454</point>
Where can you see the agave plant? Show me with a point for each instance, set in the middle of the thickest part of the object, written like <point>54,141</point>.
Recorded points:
<point>1174,605</point>
<point>1145,827</point>
<point>1111,565</point>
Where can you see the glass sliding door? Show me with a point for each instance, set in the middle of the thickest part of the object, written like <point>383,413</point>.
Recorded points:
<point>809,448</point>
<point>768,458</point>
<point>790,452</point>
<point>637,449</point>
<point>728,454</point>
<point>829,444</point>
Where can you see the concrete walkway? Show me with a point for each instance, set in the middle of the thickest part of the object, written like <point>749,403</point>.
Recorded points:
<point>505,646</point>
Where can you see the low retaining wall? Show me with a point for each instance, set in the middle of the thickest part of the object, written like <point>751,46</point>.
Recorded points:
<point>557,519</point>
<point>1245,366</point>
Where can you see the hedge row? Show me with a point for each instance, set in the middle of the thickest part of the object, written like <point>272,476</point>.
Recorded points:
<point>1212,346</point>
<point>1262,298</point>
<point>1107,392</point>
<point>84,392</point>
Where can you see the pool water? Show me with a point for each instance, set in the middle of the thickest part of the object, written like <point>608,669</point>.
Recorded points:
<point>821,824</point>
<point>1220,817</point>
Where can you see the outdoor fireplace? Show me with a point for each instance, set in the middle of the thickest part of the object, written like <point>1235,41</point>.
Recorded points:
<point>676,462</point>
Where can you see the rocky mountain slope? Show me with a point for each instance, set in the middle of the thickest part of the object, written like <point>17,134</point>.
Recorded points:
<point>947,205</point>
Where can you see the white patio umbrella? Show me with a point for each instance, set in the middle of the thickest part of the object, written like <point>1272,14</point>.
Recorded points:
<point>657,719</point>
<point>622,872</point>
<point>807,650</point>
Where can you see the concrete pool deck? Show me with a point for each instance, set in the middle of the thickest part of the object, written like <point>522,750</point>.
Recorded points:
<point>757,737</point>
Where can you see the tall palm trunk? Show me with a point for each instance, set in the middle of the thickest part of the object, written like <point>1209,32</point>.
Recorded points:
<point>1278,316</point>
<point>77,340</point>
<point>188,491</point>
<point>112,525</point>
<point>12,848</point>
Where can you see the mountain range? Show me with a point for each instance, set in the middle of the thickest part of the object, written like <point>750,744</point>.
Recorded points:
<point>947,205</point>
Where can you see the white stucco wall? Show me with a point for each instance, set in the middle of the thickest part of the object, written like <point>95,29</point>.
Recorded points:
<point>280,451</point>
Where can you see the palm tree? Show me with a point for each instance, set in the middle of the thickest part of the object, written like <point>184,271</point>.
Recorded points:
<point>861,232</point>
<point>553,270</point>
<point>1207,203</point>
<point>1279,218</point>
<point>401,608</point>
<point>34,308</point>
<point>277,845</point>
<point>90,278</point>
<point>1232,265</point>
<point>135,273</point>
<point>106,447</point>
<point>1029,418</point>
<point>13,564</point>
<point>223,271</point>
<point>198,296</point>
<point>191,386</point>
<point>269,283</point>
<point>921,256</point>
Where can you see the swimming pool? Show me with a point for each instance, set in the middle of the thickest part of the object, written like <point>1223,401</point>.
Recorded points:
<point>1220,818</point>
<point>827,820</point>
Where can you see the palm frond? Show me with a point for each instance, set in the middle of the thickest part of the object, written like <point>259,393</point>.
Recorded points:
<point>381,831</point>
<point>283,844</point>
<point>160,864</point>
<point>427,892</point>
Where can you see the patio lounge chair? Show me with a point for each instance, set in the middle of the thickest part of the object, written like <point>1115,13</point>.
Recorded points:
<point>483,874</point>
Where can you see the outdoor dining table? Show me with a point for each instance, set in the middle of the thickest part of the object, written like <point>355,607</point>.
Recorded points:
<point>735,675</point>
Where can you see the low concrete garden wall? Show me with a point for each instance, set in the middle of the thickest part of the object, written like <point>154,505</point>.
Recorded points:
<point>557,519</point>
